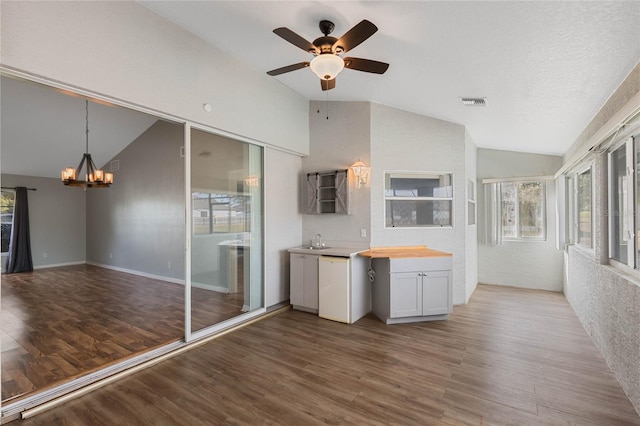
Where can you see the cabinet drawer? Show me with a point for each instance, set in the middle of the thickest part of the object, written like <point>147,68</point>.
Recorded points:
<point>409,264</point>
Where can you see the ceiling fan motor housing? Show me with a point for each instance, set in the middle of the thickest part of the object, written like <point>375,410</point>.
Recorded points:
<point>325,44</point>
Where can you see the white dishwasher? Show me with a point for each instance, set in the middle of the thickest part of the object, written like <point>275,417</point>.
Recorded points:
<point>334,290</point>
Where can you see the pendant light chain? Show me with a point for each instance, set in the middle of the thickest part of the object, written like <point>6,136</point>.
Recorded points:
<point>86,107</point>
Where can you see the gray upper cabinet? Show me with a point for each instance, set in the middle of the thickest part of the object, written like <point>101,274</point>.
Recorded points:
<point>328,192</point>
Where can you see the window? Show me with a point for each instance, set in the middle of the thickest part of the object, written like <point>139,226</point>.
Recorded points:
<point>584,205</point>
<point>418,199</point>
<point>217,213</point>
<point>523,210</point>
<point>622,182</point>
<point>8,202</point>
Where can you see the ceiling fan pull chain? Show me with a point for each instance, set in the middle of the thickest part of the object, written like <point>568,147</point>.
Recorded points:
<point>327,93</point>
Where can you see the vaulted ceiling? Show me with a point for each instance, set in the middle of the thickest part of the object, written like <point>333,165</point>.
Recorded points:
<point>43,129</point>
<point>545,67</point>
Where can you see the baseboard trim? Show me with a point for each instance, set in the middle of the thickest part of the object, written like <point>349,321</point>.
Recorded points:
<point>139,273</point>
<point>210,287</point>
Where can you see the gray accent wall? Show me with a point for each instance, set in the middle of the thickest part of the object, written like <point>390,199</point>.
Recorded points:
<point>606,297</point>
<point>536,264</point>
<point>56,221</point>
<point>336,143</point>
<point>138,223</point>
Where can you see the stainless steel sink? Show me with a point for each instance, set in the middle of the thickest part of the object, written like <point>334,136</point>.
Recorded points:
<point>315,248</point>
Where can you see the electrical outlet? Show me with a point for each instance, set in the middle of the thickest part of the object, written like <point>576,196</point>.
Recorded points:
<point>363,233</point>
<point>169,264</point>
<point>44,254</point>
<point>110,255</point>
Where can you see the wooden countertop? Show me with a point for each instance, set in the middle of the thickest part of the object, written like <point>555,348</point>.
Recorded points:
<point>403,251</point>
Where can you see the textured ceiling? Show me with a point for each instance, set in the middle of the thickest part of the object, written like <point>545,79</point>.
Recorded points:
<point>545,68</point>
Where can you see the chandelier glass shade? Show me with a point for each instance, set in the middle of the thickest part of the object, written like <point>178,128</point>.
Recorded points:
<point>93,177</point>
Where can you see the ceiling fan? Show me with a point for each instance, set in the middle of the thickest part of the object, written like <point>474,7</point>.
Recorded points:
<point>327,62</point>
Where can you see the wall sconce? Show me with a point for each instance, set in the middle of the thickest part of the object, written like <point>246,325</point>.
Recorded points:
<point>252,181</point>
<point>361,172</point>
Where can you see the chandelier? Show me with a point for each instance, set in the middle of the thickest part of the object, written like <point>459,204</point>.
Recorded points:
<point>94,177</point>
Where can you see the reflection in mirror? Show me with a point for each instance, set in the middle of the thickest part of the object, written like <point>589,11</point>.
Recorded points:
<point>226,234</point>
<point>109,262</point>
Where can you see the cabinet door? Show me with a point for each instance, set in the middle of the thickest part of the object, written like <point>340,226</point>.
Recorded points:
<point>406,294</point>
<point>436,293</point>
<point>342,192</point>
<point>333,286</point>
<point>296,281</point>
<point>311,202</point>
<point>310,296</point>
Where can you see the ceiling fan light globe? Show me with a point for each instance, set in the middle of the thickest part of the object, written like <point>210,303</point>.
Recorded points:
<point>327,66</point>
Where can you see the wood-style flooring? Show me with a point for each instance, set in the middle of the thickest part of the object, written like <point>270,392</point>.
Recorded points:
<point>61,323</point>
<point>509,357</point>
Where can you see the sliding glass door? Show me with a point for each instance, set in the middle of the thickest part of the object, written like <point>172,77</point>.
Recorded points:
<point>226,232</point>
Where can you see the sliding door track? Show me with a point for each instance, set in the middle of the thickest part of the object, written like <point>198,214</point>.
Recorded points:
<point>42,401</point>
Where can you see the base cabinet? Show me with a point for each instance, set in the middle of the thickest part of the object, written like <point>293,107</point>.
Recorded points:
<point>406,294</point>
<point>410,290</point>
<point>304,282</point>
<point>436,292</point>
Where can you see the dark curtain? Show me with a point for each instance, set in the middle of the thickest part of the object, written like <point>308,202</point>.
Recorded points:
<point>20,249</point>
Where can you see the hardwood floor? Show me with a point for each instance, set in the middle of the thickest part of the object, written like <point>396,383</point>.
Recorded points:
<point>61,323</point>
<point>509,357</point>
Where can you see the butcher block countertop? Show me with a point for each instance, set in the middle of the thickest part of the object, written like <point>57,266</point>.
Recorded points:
<point>403,251</point>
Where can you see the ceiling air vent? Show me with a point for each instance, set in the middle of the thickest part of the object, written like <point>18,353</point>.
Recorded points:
<point>473,101</point>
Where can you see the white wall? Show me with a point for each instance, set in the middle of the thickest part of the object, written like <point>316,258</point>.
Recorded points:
<point>536,265</point>
<point>401,140</point>
<point>471,236</point>
<point>337,143</point>
<point>125,51</point>
<point>283,222</point>
<point>56,221</point>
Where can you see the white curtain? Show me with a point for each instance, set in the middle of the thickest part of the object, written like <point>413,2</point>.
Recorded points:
<point>492,215</point>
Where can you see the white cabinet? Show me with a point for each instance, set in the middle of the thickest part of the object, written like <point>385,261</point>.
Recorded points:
<point>405,294</point>
<point>437,289</point>
<point>410,290</point>
<point>304,282</point>
<point>346,291</point>
<point>334,285</point>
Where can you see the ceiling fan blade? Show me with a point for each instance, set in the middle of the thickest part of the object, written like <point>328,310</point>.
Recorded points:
<point>355,36</point>
<point>288,68</point>
<point>295,39</point>
<point>328,84</point>
<point>366,65</point>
